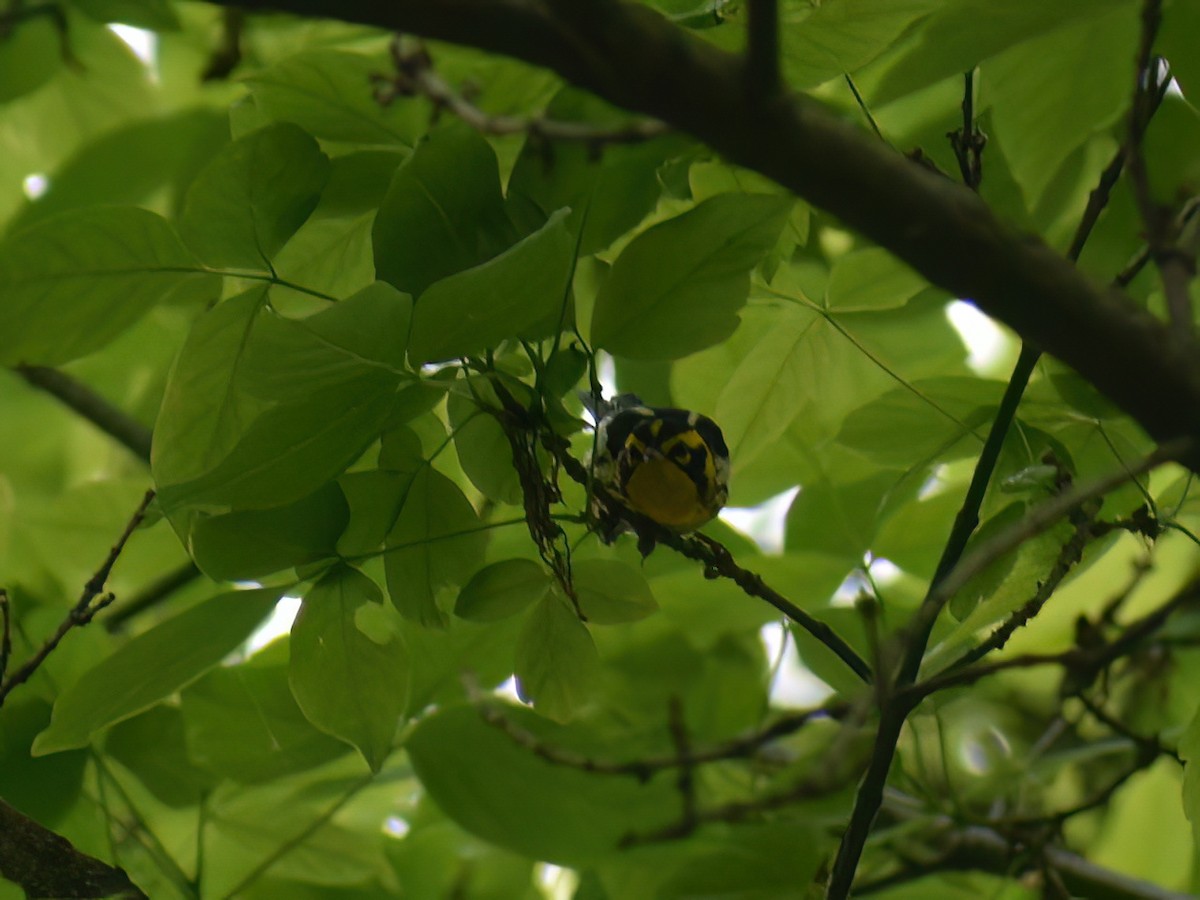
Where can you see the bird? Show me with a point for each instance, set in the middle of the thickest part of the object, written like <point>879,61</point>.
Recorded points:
<point>668,465</point>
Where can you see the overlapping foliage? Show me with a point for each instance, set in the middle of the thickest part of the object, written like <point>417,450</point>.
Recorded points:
<point>357,329</point>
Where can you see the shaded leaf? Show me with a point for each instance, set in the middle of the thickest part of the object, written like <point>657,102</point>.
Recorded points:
<point>253,196</point>
<point>506,297</point>
<point>153,666</point>
<point>348,684</point>
<point>676,288</point>
<point>611,592</point>
<point>501,589</point>
<point>557,666</point>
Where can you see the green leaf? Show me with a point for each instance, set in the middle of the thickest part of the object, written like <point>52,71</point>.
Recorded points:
<point>332,250</point>
<point>328,93</point>
<point>614,191</point>
<point>611,592</point>
<point>676,288</point>
<point>1039,112</point>
<point>348,684</point>
<point>443,212</point>
<point>506,794</point>
<point>375,498</point>
<point>30,55</point>
<point>508,296</point>
<point>363,336</point>
<point>501,589</point>
<point>557,666</point>
<point>153,666</point>
<point>242,722</point>
<point>871,278</point>
<point>824,41</point>
<point>929,418</point>
<point>1189,749</point>
<point>153,747</point>
<point>291,450</point>
<point>244,545</point>
<point>839,519</point>
<point>253,196</point>
<point>963,33</point>
<point>204,412</point>
<point>436,542</point>
<point>483,450</point>
<point>335,375</point>
<point>72,283</point>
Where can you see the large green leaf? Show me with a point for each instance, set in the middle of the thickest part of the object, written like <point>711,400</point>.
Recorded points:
<point>483,449</point>
<point>332,250</point>
<point>827,40</point>
<point>153,666</point>
<point>557,666</point>
<point>30,55</point>
<point>608,194</point>
<point>348,684</point>
<point>153,15</point>
<point>442,213</point>
<point>1041,109</point>
<point>252,543</point>
<point>963,33</point>
<point>611,592</point>
<point>508,795</point>
<point>508,296</point>
<point>501,589</point>
<point>437,541</point>
<point>72,283</point>
<point>333,379</point>
<point>242,722</point>
<point>327,92</point>
<point>253,196</point>
<point>871,278</point>
<point>678,286</point>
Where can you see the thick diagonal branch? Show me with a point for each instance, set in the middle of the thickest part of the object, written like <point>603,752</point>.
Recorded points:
<point>633,57</point>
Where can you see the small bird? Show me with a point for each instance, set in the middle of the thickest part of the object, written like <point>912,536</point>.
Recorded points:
<point>668,465</point>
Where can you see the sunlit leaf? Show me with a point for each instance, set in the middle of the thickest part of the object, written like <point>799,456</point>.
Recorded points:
<point>557,666</point>
<point>72,283</point>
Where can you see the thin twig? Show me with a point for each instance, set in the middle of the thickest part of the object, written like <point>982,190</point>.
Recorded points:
<point>91,601</point>
<point>1175,265</point>
<point>415,76</point>
<point>644,768</point>
<point>968,141</point>
<point>6,637</point>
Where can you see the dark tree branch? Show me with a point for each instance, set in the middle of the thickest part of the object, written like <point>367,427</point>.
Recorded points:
<point>762,48</point>
<point>129,432</point>
<point>91,601</point>
<point>45,864</point>
<point>636,59</point>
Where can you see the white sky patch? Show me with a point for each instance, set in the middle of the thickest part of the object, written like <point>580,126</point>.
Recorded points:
<point>35,185</point>
<point>394,826</point>
<point>555,882</point>
<point>508,690</point>
<point>765,522</point>
<point>279,623</point>
<point>144,44</point>
<point>794,687</point>
<point>985,340</point>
